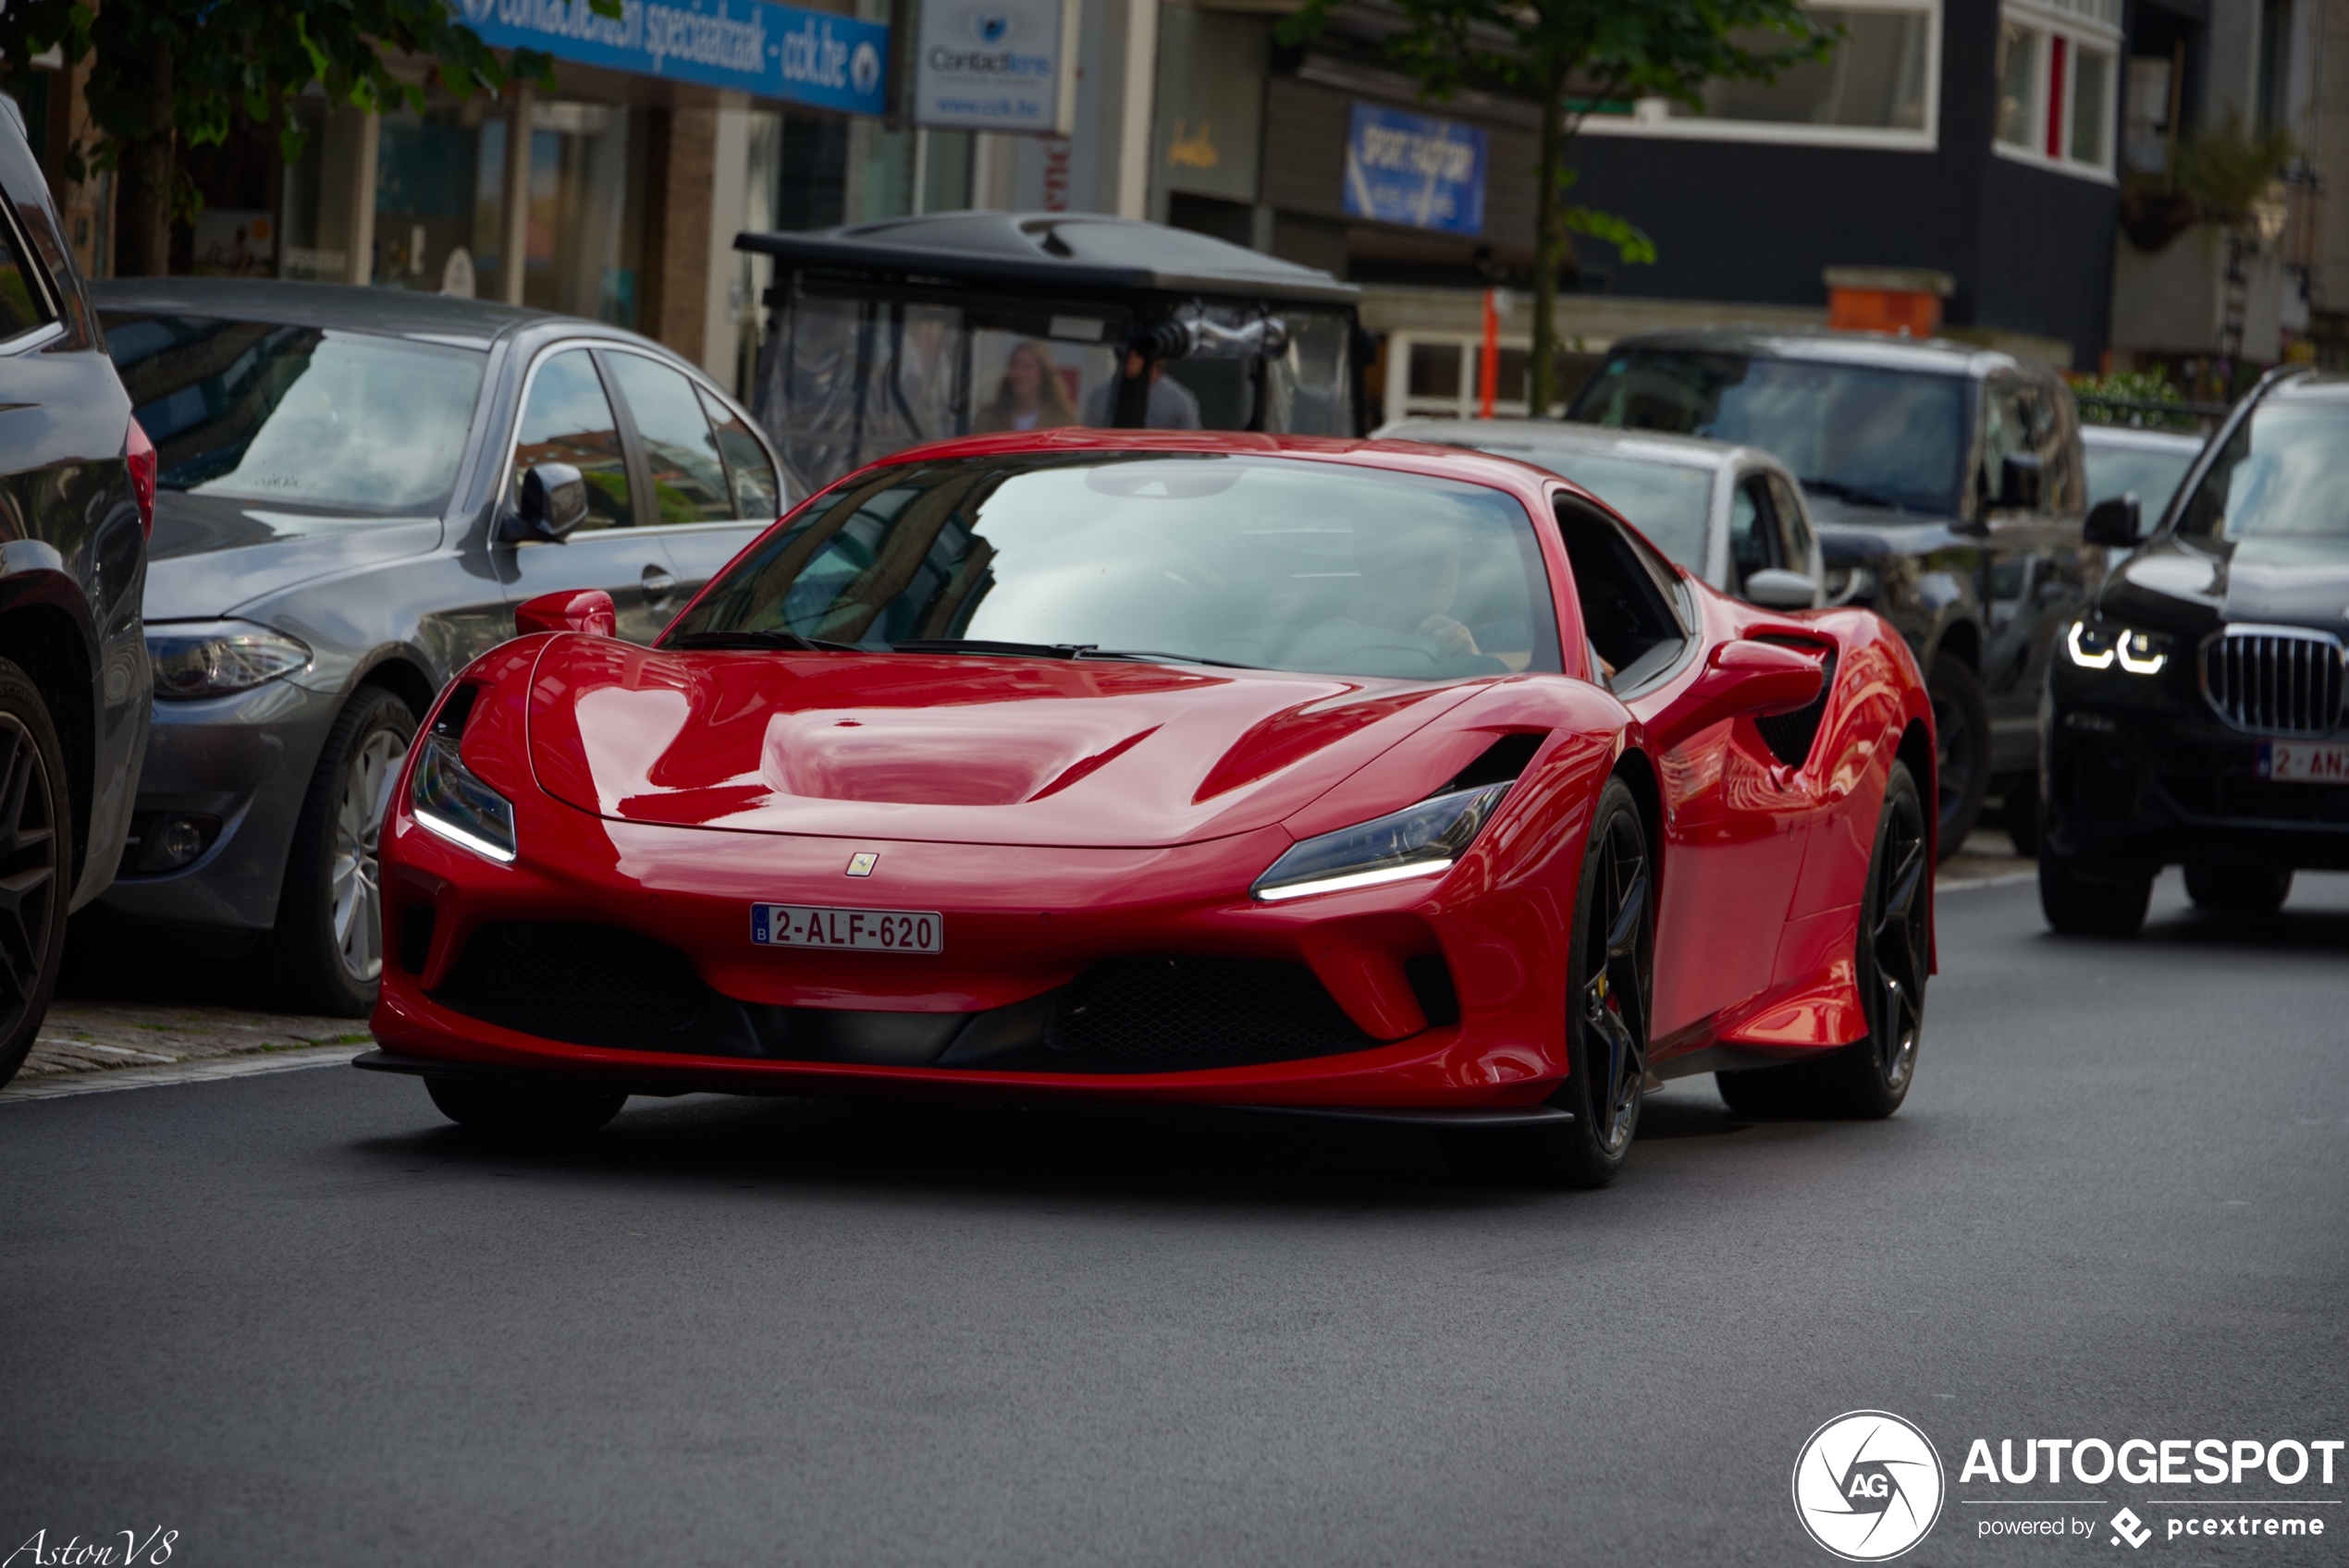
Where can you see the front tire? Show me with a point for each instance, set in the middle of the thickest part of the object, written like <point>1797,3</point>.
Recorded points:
<point>328,947</point>
<point>513,1110</point>
<point>36,865</point>
<point>1609,992</point>
<point>1867,1080</point>
<point>1961,736</point>
<point>2224,887</point>
<point>2083,898</point>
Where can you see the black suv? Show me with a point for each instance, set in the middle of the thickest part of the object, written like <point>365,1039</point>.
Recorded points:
<point>2194,716</point>
<point>1948,485</point>
<point>77,498</point>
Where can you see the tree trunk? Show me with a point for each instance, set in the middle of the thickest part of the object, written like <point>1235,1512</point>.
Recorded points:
<point>142,200</point>
<point>1549,246</point>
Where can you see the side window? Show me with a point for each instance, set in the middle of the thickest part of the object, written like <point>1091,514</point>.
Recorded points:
<point>756,492</point>
<point>2006,432</point>
<point>1751,530</point>
<point>1794,528</point>
<point>568,420</point>
<point>689,477</point>
<point>1626,612</point>
<point>24,294</point>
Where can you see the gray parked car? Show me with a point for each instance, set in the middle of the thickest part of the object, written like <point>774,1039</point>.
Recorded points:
<point>1732,515</point>
<point>340,529</point>
<point>1948,485</point>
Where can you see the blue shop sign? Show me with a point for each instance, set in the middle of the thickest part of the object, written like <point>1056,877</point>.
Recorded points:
<point>753,47</point>
<point>1415,169</point>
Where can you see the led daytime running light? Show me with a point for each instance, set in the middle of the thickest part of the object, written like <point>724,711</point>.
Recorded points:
<point>1419,840</point>
<point>448,801</point>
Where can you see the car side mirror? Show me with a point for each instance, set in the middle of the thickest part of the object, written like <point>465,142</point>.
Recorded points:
<point>1761,679</point>
<point>585,611</point>
<point>2020,482</point>
<point>1774,588</point>
<point>2117,519</point>
<point>552,503</point>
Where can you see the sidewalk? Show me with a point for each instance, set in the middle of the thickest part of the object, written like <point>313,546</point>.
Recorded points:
<point>92,1037</point>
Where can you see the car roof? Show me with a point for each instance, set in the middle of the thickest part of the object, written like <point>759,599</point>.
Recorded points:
<point>1073,250</point>
<point>1553,435</point>
<point>2313,389</point>
<point>1818,345</point>
<point>2136,440</point>
<point>396,313</point>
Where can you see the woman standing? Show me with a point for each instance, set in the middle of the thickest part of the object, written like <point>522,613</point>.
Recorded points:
<point>1032,396</point>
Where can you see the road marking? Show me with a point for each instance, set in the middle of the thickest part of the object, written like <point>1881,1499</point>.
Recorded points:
<point>59,1087</point>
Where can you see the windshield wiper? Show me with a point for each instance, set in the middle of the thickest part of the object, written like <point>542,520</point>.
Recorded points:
<point>1854,494</point>
<point>1155,656</point>
<point>982,645</point>
<point>763,638</point>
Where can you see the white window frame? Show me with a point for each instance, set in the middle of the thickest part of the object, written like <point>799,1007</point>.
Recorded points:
<point>1651,117</point>
<point>1401,403</point>
<point>2081,24</point>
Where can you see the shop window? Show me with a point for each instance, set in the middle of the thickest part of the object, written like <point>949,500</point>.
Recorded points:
<point>812,192</point>
<point>2055,73</point>
<point>582,184</point>
<point>1877,87</point>
<point>439,189</point>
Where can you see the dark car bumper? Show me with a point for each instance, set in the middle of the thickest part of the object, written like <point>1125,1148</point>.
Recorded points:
<point>241,764</point>
<point>2143,771</point>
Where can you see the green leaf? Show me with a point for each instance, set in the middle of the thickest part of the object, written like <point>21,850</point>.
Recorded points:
<point>1632,245</point>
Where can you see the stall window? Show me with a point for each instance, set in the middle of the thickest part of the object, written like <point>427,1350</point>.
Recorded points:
<point>681,452</point>
<point>568,420</point>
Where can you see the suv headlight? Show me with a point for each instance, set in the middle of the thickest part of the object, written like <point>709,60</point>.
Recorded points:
<point>214,659</point>
<point>1420,841</point>
<point>447,799</point>
<point>2099,647</point>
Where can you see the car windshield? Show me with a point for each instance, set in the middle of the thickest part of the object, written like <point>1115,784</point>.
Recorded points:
<point>1669,502</point>
<point>1270,562</point>
<point>1873,437</point>
<point>298,416</point>
<point>2284,473</point>
<point>2152,474</point>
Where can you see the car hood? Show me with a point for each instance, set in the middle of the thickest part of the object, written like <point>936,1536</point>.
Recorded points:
<point>953,748</point>
<point>209,555</point>
<point>2297,581</point>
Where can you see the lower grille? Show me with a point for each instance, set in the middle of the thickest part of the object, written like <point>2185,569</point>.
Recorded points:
<point>592,986</point>
<point>2278,680</point>
<point>1169,1014</point>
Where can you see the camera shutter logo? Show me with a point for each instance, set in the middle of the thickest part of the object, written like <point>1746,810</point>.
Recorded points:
<point>1868,1485</point>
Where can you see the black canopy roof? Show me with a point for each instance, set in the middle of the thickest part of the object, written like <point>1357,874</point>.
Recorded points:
<point>1065,252</point>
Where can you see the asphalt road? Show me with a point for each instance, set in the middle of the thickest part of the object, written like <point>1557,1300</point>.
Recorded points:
<point>298,1320</point>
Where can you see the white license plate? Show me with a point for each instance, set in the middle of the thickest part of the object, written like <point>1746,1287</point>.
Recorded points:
<point>874,930</point>
<point>2288,762</point>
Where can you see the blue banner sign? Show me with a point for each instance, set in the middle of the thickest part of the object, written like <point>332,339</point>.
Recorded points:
<point>1415,169</point>
<point>753,47</point>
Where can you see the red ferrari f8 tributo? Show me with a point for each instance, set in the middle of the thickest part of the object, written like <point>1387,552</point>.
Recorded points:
<point>1350,778</point>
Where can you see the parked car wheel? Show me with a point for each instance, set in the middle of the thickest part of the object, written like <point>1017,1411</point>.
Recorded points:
<point>328,942</point>
<point>1962,730</point>
<point>2228,888</point>
<point>2083,898</point>
<point>1610,987</point>
<point>36,840</point>
<point>523,1112</point>
<point>1870,1078</point>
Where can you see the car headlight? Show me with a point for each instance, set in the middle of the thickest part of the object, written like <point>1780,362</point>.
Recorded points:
<point>214,659</point>
<point>1419,840</point>
<point>2097,647</point>
<point>447,799</point>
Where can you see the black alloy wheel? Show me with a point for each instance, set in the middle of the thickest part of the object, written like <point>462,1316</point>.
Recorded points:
<point>518,1110</point>
<point>35,856</point>
<point>2233,888</point>
<point>2091,898</point>
<point>1609,995</point>
<point>1962,740</point>
<point>1869,1078</point>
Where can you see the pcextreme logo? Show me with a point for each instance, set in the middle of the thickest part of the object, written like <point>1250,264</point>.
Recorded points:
<point>1868,1485</point>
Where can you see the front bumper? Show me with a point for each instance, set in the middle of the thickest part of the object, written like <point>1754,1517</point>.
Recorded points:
<point>243,761</point>
<point>2141,771</point>
<point>1024,925</point>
